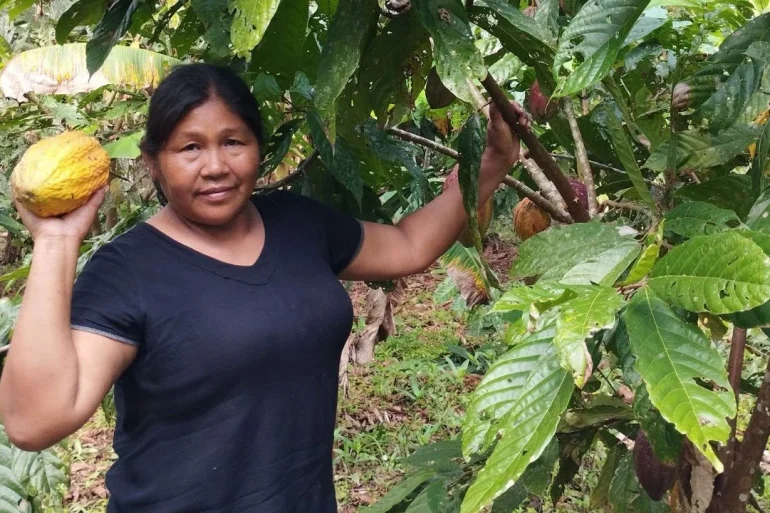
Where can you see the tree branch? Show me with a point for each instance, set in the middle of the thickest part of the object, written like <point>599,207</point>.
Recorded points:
<point>422,141</point>
<point>592,162</point>
<point>734,368</point>
<point>164,21</point>
<point>286,180</point>
<point>739,478</point>
<point>537,199</point>
<point>545,185</point>
<point>536,150</point>
<point>583,165</point>
<point>629,206</point>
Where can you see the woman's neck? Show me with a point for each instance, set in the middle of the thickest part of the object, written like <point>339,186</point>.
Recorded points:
<point>237,228</point>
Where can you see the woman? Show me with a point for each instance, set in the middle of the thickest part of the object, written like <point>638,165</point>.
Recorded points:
<point>220,320</point>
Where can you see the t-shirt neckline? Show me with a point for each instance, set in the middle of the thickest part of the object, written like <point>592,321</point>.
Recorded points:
<point>257,273</point>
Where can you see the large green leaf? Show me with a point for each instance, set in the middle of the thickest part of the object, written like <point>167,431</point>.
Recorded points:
<point>665,440</point>
<point>643,264</point>
<point>12,225</point>
<point>725,106</point>
<point>518,34</point>
<point>534,481</point>
<point>698,218</point>
<point>759,216</point>
<point>731,192</point>
<point>601,492</point>
<point>625,153</point>
<point>278,145</point>
<point>758,316</point>
<point>398,152</point>
<point>522,298</point>
<point>594,36</point>
<point>730,56</point>
<point>458,61</point>
<point>217,20</point>
<point>700,151</point>
<point>279,53</point>
<point>468,261</point>
<point>502,387</point>
<point>112,26</point>
<point>720,273</point>
<point>402,48</point>
<point>63,70</point>
<point>250,23</point>
<point>82,12</point>
<point>595,250</point>
<point>42,471</point>
<point>341,161</point>
<point>471,145</point>
<point>12,491</point>
<point>341,54</point>
<point>526,429</point>
<point>399,492</point>
<point>592,310</point>
<point>673,357</point>
<point>125,147</point>
<point>759,164</point>
<point>187,33</point>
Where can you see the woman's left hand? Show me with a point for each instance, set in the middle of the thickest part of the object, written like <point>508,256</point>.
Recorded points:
<point>502,143</point>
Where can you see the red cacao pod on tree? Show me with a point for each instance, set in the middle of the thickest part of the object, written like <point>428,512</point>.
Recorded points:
<point>655,476</point>
<point>580,191</point>
<point>539,105</point>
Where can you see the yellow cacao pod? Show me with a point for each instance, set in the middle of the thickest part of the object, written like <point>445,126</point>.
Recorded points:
<point>529,219</point>
<point>59,174</point>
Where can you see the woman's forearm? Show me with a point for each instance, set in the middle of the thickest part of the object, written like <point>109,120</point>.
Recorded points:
<point>432,229</point>
<point>40,376</point>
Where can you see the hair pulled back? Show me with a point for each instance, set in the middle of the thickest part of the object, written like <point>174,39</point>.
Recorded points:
<point>187,87</point>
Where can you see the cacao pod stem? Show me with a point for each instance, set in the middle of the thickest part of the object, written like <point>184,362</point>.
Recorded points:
<point>536,150</point>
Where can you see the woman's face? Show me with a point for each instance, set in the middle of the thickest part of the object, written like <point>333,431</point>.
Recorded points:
<point>209,165</point>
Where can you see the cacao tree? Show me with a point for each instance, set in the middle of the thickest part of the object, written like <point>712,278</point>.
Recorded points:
<point>644,269</point>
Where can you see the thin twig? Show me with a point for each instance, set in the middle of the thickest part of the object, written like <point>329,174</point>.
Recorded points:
<point>536,198</point>
<point>629,206</point>
<point>545,185</point>
<point>301,168</point>
<point>583,165</point>
<point>165,20</point>
<point>755,504</point>
<point>592,162</point>
<point>422,141</point>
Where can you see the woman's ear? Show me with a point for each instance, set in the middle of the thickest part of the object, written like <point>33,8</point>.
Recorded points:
<point>152,166</point>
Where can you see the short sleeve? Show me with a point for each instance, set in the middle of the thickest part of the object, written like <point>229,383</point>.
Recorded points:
<point>344,234</point>
<point>105,298</point>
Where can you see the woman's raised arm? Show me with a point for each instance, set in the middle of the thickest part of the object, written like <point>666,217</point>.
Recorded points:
<point>54,377</point>
<point>413,244</point>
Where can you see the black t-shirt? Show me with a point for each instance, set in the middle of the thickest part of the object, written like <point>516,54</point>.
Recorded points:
<point>230,404</point>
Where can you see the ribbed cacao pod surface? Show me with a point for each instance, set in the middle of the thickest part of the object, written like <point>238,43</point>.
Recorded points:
<point>529,219</point>
<point>542,108</point>
<point>655,477</point>
<point>59,174</point>
<point>484,215</point>
<point>580,191</point>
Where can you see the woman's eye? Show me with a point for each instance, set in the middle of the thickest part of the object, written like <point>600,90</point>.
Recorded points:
<point>190,147</point>
<point>233,142</point>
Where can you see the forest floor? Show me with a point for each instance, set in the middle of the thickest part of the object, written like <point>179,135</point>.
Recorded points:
<point>414,392</point>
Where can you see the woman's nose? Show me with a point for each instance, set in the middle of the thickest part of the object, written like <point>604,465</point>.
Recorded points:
<point>215,165</point>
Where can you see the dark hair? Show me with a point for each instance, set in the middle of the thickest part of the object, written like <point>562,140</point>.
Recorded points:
<point>187,87</point>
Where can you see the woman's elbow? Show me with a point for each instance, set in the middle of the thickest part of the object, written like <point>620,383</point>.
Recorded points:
<point>26,437</point>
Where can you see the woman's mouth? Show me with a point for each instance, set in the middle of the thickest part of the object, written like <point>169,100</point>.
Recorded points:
<point>216,193</point>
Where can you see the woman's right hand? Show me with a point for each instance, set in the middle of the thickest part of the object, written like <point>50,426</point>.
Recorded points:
<point>72,226</point>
